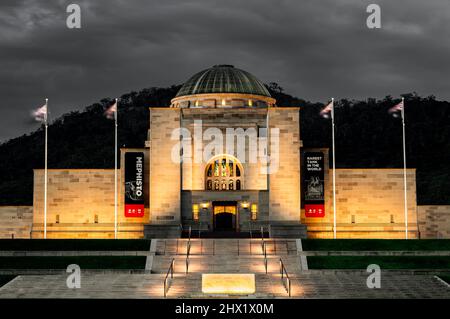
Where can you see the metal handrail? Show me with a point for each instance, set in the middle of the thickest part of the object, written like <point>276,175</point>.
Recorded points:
<point>262,236</point>
<point>284,275</point>
<point>265,254</point>
<point>167,280</point>
<point>188,252</point>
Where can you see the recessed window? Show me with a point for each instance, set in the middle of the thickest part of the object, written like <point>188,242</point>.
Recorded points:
<point>223,173</point>
<point>254,211</point>
<point>195,210</point>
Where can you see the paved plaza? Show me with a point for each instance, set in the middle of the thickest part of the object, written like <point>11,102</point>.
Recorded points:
<point>308,285</point>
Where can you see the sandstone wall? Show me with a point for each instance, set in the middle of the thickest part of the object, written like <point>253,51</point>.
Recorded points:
<point>369,204</point>
<point>81,204</point>
<point>16,221</point>
<point>284,183</point>
<point>434,221</point>
<point>193,173</point>
<point>165,174</point>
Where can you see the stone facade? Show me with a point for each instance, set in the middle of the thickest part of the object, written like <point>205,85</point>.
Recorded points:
<point>186,178</point>
<point>284,183</point>
<point>165,182</point>
<point>434,221</point>
<point>81,204</point>
<point>369,204</point>
<point>15,221</point>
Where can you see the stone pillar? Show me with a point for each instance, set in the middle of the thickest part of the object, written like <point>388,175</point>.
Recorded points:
<point>165,174</point>
<point>284,184</point>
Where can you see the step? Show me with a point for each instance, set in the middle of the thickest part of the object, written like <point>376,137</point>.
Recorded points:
<point>225,246</point>
<point>225,264</point>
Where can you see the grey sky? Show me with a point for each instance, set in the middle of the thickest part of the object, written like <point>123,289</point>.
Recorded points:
<point>313,49</point>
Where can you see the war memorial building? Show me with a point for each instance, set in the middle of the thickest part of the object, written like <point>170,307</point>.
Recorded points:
<point>256,173</point>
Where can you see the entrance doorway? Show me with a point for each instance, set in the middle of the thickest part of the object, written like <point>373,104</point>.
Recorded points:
<point>224,216</point>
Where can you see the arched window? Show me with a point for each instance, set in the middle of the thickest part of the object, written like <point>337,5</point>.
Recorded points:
<point>223,173</point>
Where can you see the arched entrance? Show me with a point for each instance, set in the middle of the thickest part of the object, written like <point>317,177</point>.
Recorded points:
<point>224,216</point>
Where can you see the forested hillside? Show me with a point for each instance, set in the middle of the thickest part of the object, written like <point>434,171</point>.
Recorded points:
<point>366,136</point>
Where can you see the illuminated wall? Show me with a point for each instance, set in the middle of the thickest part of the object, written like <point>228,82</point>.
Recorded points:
<point>165,178</point>
<point>193,174</point>
<point>81,204</point>
<point>434,221</point>
<point>284,183</point>
<point>369,204</point>
<point>15,221</point>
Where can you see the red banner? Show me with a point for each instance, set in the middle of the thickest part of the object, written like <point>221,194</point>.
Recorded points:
<point>134,210</point>
<point>314,210</point>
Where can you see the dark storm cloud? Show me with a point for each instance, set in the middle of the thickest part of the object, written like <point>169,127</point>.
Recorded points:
<point>314,49</point>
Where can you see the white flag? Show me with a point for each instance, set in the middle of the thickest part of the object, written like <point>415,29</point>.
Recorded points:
<point>396,108</point>
<point>110,113</point>
<point>40,114</point>
<point>327,110</point>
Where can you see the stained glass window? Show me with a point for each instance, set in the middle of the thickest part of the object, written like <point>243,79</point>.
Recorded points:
<point>216,168</point>
<point>222,167</point>
<point>209,171</point>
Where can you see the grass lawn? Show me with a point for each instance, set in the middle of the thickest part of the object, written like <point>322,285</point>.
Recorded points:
<point>85,262</point>
<point>4,279</point>
<point>385,262</point>
<point>374,244</point>
<point>75,244</point>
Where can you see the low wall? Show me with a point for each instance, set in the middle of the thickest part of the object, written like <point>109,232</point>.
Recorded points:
<point>15,221</point>
<point>81,205</point>
<point>369,204</point>
<point>434,221</point>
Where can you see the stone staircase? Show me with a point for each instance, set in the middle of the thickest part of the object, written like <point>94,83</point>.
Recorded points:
<point>225,256</point>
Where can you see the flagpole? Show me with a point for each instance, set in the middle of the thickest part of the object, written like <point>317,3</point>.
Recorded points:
<point>115,171</point>
<point>404,169</point>
<point>45,168</point>
<point>334,170</point>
